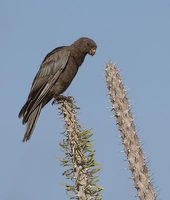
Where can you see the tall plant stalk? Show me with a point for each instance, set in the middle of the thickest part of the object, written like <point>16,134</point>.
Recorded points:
<point>79,155</point>
<point>130,140</point>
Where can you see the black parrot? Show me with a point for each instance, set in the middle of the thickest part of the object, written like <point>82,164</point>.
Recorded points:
<point>56,72</point>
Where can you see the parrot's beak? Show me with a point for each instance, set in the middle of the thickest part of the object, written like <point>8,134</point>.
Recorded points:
<point>92,51</point>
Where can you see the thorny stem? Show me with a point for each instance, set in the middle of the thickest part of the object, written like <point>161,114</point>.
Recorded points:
<point>130,140</point>
<point>76,146</point>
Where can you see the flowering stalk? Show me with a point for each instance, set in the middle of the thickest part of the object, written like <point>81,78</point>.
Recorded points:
<point>130,140</point>
<point>79,155</point>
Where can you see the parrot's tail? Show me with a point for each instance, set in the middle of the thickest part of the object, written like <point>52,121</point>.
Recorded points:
<point>30,124</point>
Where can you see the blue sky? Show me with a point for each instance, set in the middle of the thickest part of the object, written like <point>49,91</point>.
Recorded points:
<point>135,35</point>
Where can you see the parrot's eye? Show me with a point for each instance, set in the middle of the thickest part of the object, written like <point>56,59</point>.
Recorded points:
<point>88,44</point>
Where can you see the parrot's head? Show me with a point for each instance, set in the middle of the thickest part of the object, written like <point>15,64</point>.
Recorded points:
<point>86,45</point>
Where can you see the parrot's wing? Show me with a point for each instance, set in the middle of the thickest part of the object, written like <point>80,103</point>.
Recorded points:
<point>49,72</point>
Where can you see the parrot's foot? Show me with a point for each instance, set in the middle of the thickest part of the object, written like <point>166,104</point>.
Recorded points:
<point>64,98</point>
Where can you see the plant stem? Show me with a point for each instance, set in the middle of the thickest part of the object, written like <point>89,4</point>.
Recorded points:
<point>130,140</point>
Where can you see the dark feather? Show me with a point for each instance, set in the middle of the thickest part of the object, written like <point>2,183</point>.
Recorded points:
<point>52,52</point>
<point>31,123</point>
